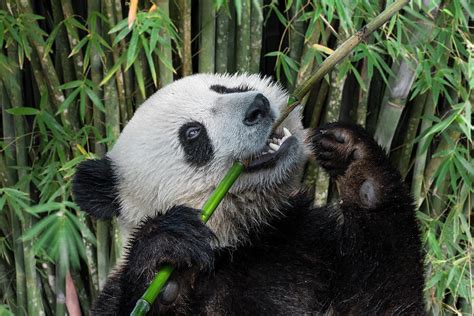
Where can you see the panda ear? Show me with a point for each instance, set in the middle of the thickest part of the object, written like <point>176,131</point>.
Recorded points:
<point>95,188</point>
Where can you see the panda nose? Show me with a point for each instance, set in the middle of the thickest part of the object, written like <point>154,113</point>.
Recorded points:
<point>257,111</point>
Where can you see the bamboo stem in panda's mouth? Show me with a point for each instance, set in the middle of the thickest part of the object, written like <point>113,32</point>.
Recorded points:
<point>144,303</point>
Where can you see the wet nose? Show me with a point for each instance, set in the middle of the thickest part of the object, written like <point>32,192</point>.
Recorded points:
<point>257,111</point>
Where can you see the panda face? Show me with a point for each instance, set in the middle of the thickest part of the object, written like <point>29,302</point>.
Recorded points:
<point>184,138</point>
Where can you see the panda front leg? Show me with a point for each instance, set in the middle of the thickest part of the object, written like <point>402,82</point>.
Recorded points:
<point>364,176</point>
<point>179,238</point>
<point>380,268</point>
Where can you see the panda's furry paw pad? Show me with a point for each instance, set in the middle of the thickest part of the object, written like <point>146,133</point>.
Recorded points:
<point>337,145</point>
<point>179,238</point>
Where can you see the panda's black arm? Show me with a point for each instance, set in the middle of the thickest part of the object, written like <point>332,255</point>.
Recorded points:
<point>178,238</point>
<point>380,261</point>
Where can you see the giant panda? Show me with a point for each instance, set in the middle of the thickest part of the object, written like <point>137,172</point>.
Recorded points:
<point>266,250</point>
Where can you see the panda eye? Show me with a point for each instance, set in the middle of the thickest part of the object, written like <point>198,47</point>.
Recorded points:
<point>193,132</point>
<point>196,143</point>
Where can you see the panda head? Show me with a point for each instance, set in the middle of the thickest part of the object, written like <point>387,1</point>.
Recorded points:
<point>181,142</point>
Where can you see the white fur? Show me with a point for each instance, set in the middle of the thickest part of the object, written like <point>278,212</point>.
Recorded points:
<point>154,176</point>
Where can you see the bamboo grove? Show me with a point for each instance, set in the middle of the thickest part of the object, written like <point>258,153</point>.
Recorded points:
<point>73,72</point>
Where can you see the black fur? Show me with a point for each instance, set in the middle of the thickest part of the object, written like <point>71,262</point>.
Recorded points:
<point>225,90</point>
<point>361,257</point>
<point>179,238</point>
<point>94,188</point>
<point>198,151</point>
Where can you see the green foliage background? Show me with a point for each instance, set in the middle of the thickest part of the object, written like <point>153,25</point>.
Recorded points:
<point>72,74</point>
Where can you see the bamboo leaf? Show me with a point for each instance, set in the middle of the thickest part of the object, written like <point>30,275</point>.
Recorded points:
<point>323,49</point>
<point>23,111</point>
<point>132,52</point>
<point>67,102</point>
<point>95,99</point>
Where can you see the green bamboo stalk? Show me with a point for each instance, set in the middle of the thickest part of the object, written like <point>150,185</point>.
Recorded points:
<point>3,171</point>
<point>399,87</point>
<point>83,295</point>
<point>296,39</point>
<point>165,74</point>
<point>96,77</point>
<point>232,34</point>
<point>15,227</point>
<point>112,121</point>
<point>98,121</point>
<point>20,275</point>
<point>185,30</point>
<point>6,291</point>
<point>48,286</point>
<point>434,163</point>
<point>90,259</point>
<point>40,80</point>
<point>222,40</point>
<point>332,113</point>
<point>49,72</point>
<point>73,36</point>
<point>103,250</point>
<point>363,94</point>
<point>403,156</point>
<point>307,65</point>
<point>394,102</point>
<point>120,78</point>
<point>8,134</point>
<point>207,15</point>
<point>439,199</point>
<point>319,104</point>
<point>333,108</point>
<point>421,154</point>
<point>140,70</point>
<point>377,88</point>
<point>124,80</point>
<point>116,249</point>
<point>242,41</point>
<point>16,99</point>
<point>256,27</point>
<point>363,104</point>
<point>34,297</point>
<point>62,51</point>
<point>35,302</point>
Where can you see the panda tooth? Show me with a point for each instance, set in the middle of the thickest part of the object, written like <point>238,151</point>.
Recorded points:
<point>273,146</point>
<point>271,151</point>
<point>284,138</point>
<point>286,132</point>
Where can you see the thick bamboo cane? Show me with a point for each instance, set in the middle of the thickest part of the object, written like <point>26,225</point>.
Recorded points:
<point>207,37</point>
<point>165,75</point>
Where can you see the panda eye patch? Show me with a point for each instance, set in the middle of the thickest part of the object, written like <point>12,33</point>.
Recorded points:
<point>196,144</point>
<point>193,132</point>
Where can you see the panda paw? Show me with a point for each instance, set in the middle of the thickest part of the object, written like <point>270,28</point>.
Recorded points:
<point>179,238</point>
<point>338,145</point>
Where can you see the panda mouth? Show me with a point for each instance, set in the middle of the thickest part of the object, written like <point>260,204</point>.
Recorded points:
<point>277,146</point>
